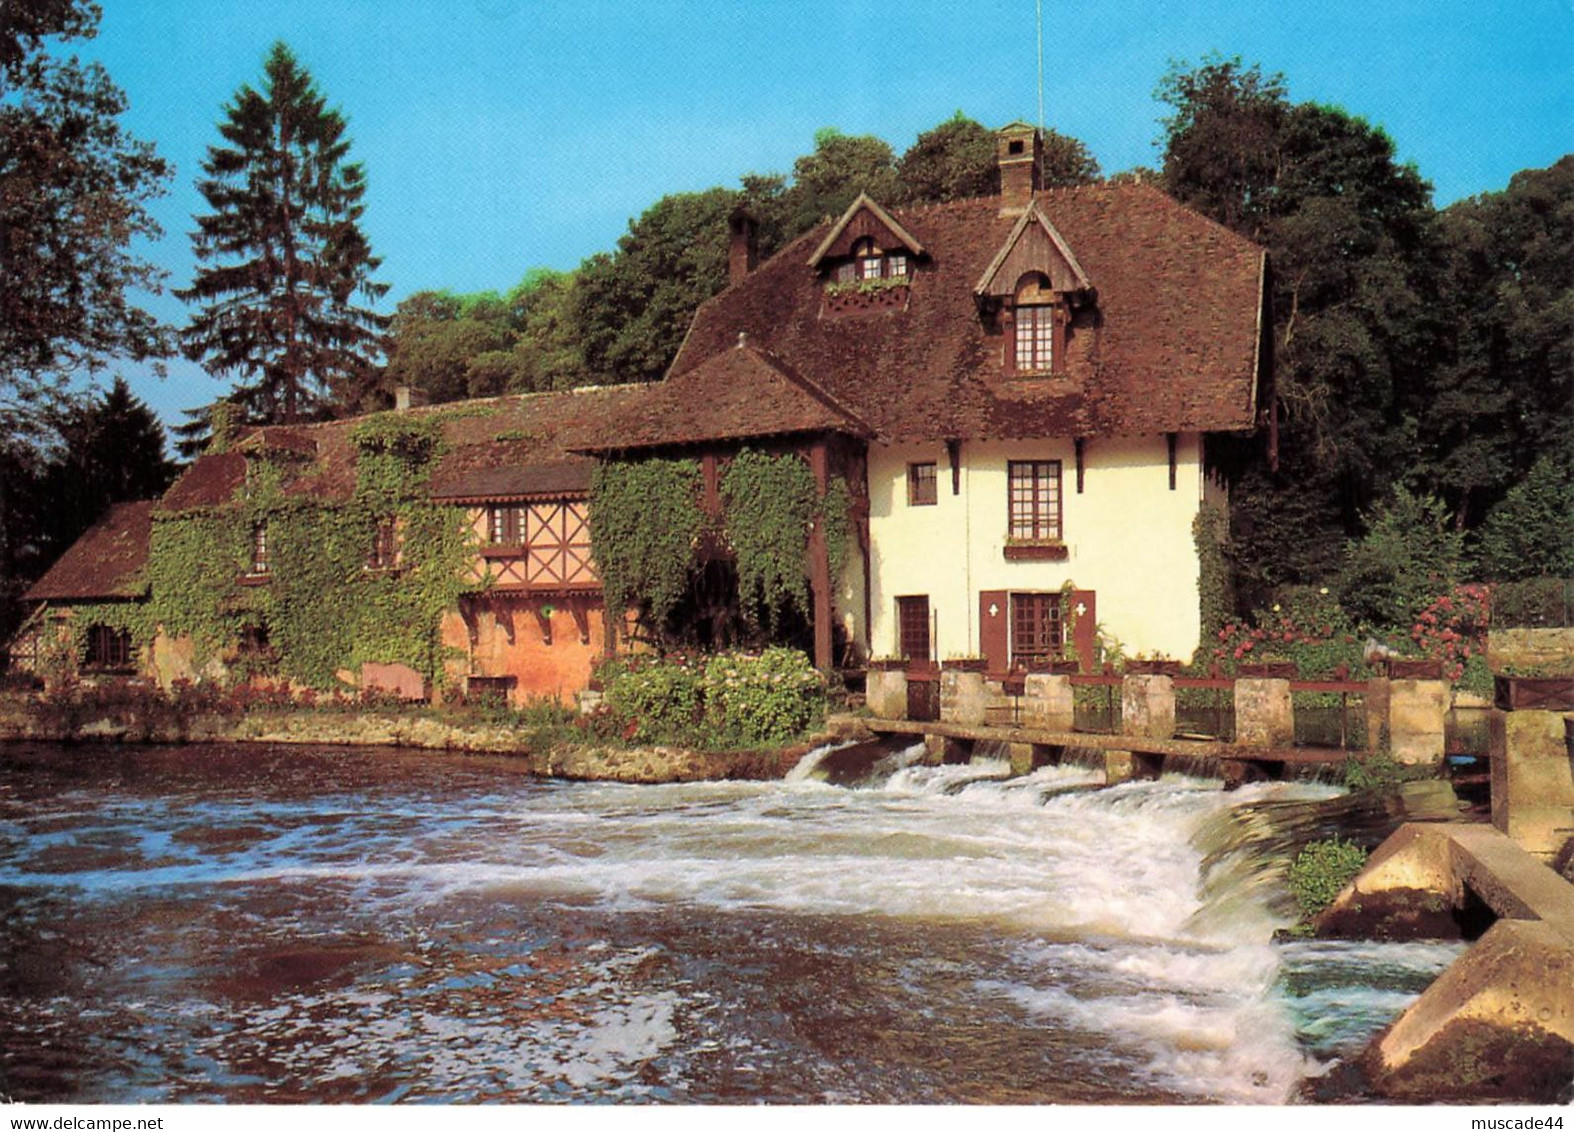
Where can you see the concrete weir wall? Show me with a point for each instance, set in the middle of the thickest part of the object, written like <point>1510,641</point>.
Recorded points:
<point>1499,1023</point>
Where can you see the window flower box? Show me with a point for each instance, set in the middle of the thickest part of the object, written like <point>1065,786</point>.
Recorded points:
<point>1415,669</point>
<point>1270,670</point>
<point>1533,693</point>
<point>965,664</point>
<point>1036,550</point>
<point>858,300</point>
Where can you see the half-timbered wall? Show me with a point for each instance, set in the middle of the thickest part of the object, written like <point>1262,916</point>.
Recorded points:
<point>534,546</point>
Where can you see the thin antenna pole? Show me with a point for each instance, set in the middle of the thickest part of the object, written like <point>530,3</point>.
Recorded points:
<point>1038,11</point>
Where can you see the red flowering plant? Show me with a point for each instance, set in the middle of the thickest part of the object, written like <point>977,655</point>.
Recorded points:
<point>1305,626</point>
<point>1452,628</point>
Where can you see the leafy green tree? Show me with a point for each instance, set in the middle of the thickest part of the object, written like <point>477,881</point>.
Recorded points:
<point>954,161</point>
<point>1531,532</point>
<point>1409,554</point>
<point>284,258</point>
<point>74,193</point>
<point>110,449</point>
<point>1066,162</point>
<point>1221,142</point>
<point>631,309</point>
<point>433,341</point>
<point>1500,397</point>
<point>826,181</point>
<point>1349,234</point>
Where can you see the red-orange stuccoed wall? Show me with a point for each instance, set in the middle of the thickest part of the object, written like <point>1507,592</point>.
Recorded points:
<point>540,670</point>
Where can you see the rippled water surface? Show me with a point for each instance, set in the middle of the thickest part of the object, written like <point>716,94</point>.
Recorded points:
<point>254,924</point>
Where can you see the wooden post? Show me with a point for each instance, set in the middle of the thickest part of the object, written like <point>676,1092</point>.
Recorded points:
<point>820,564</point>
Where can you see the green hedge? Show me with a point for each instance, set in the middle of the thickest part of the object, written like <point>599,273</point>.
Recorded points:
<point>1535,603</point>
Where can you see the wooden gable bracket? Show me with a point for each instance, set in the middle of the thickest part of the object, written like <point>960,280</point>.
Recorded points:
<point>581,614</point>
<point>1081,445</point>
<point>470,614</point>
<point>1171,439</point>
<point>543,621</point>
<point>953,451</point>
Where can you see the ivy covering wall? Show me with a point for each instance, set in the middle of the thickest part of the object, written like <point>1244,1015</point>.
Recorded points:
<point>647,523</point>
<point>323,607</point>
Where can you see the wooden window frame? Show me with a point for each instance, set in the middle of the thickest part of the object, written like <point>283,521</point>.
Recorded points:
<point>923,490</point>
<point>505,525</point>
<point>912,619</point>
<point>1037,629</point>
<point>384,552</point>
<point>258,568</point>
<point>1027,502</point>
<point>108,649</point>
<point>1033,334</point>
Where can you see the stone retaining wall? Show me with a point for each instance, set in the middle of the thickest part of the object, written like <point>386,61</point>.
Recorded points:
<point>19,722</point>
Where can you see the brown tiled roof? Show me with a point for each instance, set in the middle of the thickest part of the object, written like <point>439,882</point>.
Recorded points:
<point>211,480</point>
<point>737,394</point>
<point>278,438</point>
<point>518,481</point>
<point>497,447</point>
<point>106,562</point>
<point>1175,347</point>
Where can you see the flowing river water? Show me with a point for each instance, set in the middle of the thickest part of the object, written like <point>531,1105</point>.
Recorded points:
<point>314,925</point>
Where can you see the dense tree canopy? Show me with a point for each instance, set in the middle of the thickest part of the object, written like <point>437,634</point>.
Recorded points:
<point>109,449</point>
<point>74,193</point>
<point>283,255</point>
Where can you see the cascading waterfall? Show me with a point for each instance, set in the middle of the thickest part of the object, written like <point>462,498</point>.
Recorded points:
<point>299,918</point>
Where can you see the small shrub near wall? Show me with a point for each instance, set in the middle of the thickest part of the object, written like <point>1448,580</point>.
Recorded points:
<point>773,696</point>
<point>655,698</point>
<point>1321,870</point>
<point>731,698</point>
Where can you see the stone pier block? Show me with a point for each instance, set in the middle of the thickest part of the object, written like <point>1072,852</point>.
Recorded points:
<point>885,693</point>
<point>1147,706</point>
<point>1047,702</point>
<point>963,697</point>
<point>1499,1023</point>
<point>1532,780</point>
<point>1417,710</point>
<point>1376,704</point>
<point>1264,716</point>
<point>1118,767</point>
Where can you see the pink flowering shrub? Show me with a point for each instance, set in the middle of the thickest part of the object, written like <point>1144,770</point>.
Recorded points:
<point>1305,627</point>
<point>1452,628</point>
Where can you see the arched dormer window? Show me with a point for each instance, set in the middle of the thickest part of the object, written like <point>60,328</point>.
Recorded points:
<point>867,258</point>
<point>1034,324</point>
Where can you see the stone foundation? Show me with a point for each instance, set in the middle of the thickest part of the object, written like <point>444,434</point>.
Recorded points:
<point>885,693</point>
<point>964,698</point>
<point>1533,780</point>
<point>1047,702</point>
<point>1264,715</point>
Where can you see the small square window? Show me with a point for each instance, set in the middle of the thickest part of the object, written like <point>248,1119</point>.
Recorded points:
<point>921,486</point>
<point>505,525</point>
<point>896,266</point>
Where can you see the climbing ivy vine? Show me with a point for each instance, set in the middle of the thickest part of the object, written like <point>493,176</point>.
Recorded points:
<point>645,523</point>
<point>325,606</point>
<point>1215,584</point>
<point>769,502</point>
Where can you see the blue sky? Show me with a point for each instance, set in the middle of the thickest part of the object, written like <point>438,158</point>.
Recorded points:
<point>499,135</point>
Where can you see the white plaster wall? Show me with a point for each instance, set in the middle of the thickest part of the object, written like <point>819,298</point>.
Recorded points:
<point>1128,538</point>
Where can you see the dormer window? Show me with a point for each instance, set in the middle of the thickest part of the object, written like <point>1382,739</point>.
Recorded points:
<point>1033,318</point>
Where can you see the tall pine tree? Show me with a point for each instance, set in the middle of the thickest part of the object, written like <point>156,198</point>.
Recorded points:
<point>283,256</point>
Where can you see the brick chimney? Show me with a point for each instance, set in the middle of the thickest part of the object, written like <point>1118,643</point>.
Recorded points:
<point>742,250</point>
<point>407,397</point>
<point>1020,150</point>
